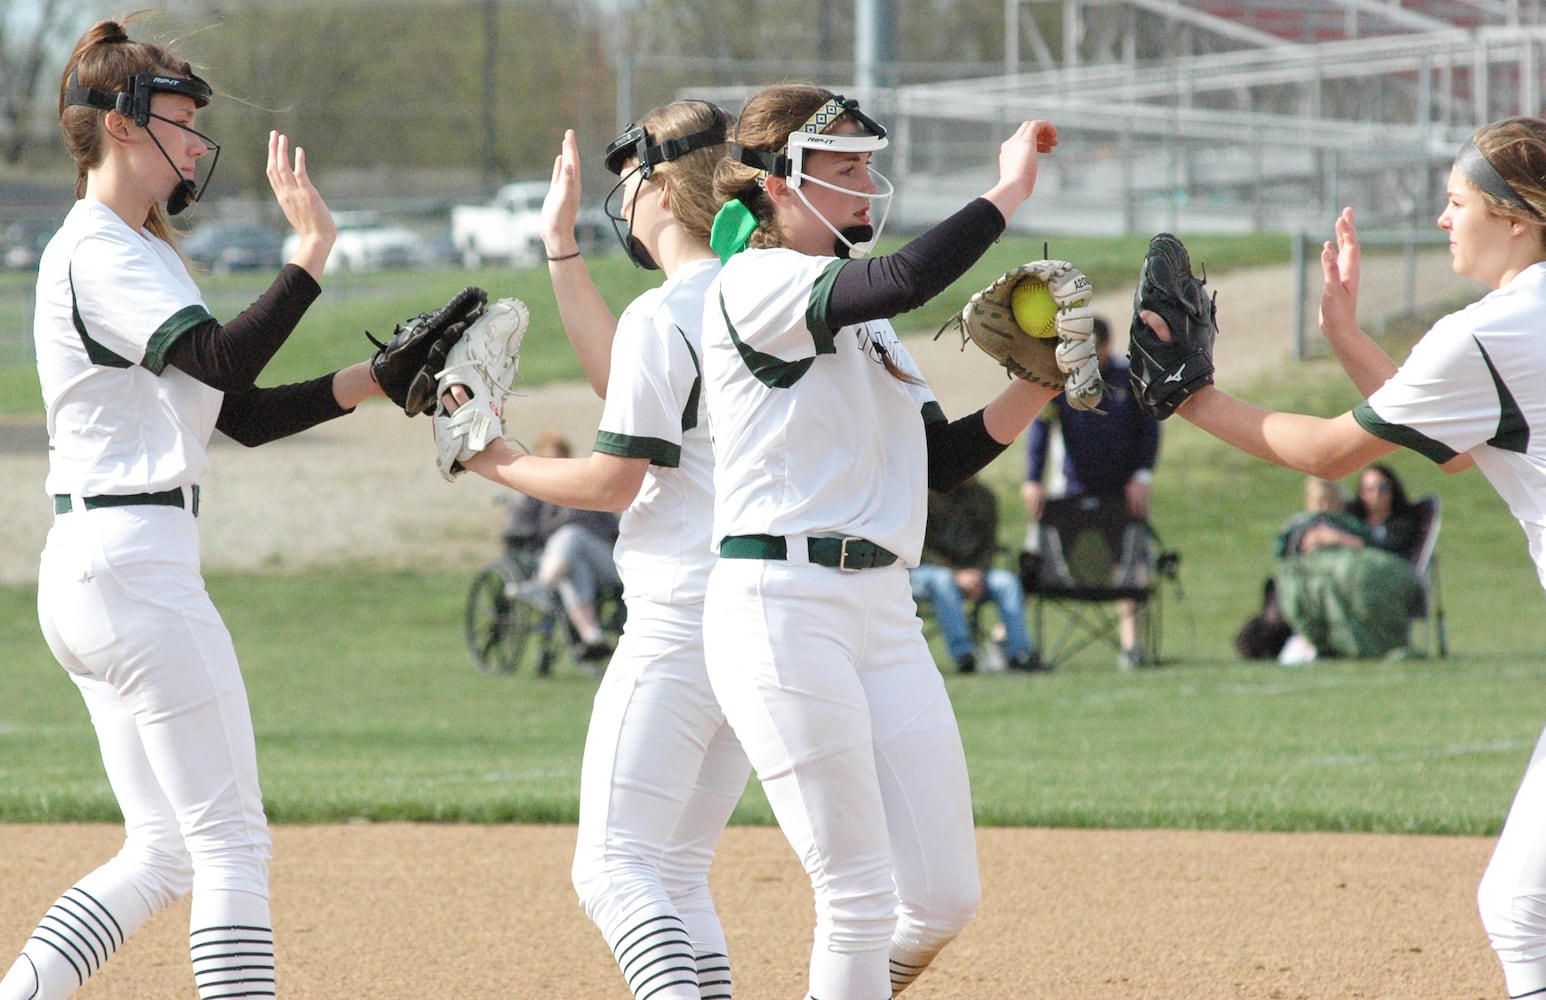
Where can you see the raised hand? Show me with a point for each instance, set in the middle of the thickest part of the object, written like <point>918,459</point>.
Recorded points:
<point>1340,267</point>
<point>301,203</point>
<point>562,205</point>
<point>1018,160</point>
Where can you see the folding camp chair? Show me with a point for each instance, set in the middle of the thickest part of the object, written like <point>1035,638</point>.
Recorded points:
<point>1429,606</point>
<point>1093,553</point>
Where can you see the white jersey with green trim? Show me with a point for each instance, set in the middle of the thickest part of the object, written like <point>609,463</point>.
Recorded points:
<point>110,302</point>
<point>1476,383</point>
<point>812,435</point>
<point>654,410</point>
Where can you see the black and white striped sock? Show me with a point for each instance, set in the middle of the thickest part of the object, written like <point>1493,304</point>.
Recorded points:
<point>714,976</point>
<point>232,961</point>
<point>656,957</point>
<point>903,974</point>
<point>79,931</point>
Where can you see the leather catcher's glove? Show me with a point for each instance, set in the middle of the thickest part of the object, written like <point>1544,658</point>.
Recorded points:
<point>406,365</point>
<point>1066,362</point>
<point>1165,373</point>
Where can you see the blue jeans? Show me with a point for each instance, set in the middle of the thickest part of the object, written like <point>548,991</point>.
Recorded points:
<point>937,585</point>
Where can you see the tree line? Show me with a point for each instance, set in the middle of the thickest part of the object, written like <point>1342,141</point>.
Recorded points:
<point>484,87</point>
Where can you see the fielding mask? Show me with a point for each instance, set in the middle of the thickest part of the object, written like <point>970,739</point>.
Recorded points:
<point>134,102</point>
<point>854,241</point>
<point>635,144</point>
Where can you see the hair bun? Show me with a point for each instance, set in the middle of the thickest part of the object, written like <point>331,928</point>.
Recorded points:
<point>111,33</point>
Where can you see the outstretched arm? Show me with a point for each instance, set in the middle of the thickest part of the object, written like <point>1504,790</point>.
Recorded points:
<point>595,482</point>
<point>1321,447</point>
<point>588,321</point>
<point>1326,448</point>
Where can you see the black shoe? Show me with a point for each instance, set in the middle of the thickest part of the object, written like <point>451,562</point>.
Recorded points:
<point>593,651</point>
<point>966,663</point>
<point>1029,663</point>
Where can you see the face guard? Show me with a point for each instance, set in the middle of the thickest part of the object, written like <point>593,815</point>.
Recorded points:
<point>134,102</point>
<point>854,241</point>
<point>635,144</point>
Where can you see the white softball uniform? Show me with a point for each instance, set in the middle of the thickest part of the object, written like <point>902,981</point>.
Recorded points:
<point>123,608</point>
<point>662,770</point>
<point>824,672</point>
<point>1476,383</point>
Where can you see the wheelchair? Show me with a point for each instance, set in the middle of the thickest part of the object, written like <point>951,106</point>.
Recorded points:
<point>512,620</point>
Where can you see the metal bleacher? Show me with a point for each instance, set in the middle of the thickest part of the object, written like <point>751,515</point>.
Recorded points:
<point>1229,116</point>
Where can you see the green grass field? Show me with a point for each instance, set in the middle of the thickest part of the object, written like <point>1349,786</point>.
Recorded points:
<point>367,707</point>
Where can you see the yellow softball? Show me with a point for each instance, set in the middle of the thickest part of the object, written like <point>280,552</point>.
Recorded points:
<point>1034,308</point>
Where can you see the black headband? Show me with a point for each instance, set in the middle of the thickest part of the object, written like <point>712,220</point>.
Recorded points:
<point>635,141</point>
<point>134,100</point>
<point>1476,168</point>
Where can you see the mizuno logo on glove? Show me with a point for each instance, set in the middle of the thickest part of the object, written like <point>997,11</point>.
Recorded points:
<point>1175,376</point>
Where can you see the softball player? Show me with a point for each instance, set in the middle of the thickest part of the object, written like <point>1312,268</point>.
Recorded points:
<point>136,375</point>
<point>1473,391</point>
<point>662,771</point>
<point>825,440</point>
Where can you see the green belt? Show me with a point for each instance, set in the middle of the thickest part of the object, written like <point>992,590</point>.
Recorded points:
<point>166,498</point>
<point>847,554</point>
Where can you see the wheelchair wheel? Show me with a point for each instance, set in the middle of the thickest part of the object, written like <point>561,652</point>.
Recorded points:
<point>500,622</point>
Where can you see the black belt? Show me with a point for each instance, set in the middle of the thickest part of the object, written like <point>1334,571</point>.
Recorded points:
<point>847,554</point>
<point>63,504</point>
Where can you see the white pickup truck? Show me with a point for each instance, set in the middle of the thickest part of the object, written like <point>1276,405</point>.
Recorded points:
<point>508,229</point>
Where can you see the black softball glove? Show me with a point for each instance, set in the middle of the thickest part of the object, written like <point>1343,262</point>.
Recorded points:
<point>1165,373</point>
<point>407,366</point>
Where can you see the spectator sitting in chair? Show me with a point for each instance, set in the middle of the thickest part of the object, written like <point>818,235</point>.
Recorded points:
<point>1325,521</point>
<point>1106,453</point>
<point>1387,514</point>
<point>1334,593</point>
<point>960,542</point>
<point>576,552</point>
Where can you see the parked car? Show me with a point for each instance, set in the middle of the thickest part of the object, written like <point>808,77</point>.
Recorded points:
<point>509,229</point>
<point>224,247</point>
<point>22,242</point>
<point>367,242</point>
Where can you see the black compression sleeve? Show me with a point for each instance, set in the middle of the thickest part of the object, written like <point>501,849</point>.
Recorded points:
<point>229,358</point>
<point>958,450</point>
<point>882,287</point>
<point>254,416</point>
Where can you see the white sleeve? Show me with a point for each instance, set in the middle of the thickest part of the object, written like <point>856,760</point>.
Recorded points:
<point>769,298</point>
<point>653,372</point>
<point>1445,393</point>
<point>128,299</point>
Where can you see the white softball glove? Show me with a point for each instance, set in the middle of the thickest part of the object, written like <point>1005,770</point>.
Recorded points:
<point>485,362</point>
<point>1076,355</point>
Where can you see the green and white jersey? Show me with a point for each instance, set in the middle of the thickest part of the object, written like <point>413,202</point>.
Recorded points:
<point>812,436</point>
<point>111,300</point>
<point>1476,383</point>
<point>654,410</point>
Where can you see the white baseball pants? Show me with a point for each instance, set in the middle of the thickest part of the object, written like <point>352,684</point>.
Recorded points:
<point>662,773</point>
<point>829,684</point>
<point>123,608</point>
<point>1512,895</point>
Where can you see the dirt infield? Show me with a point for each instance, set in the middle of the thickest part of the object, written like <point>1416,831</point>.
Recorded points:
<point>408,911</point>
